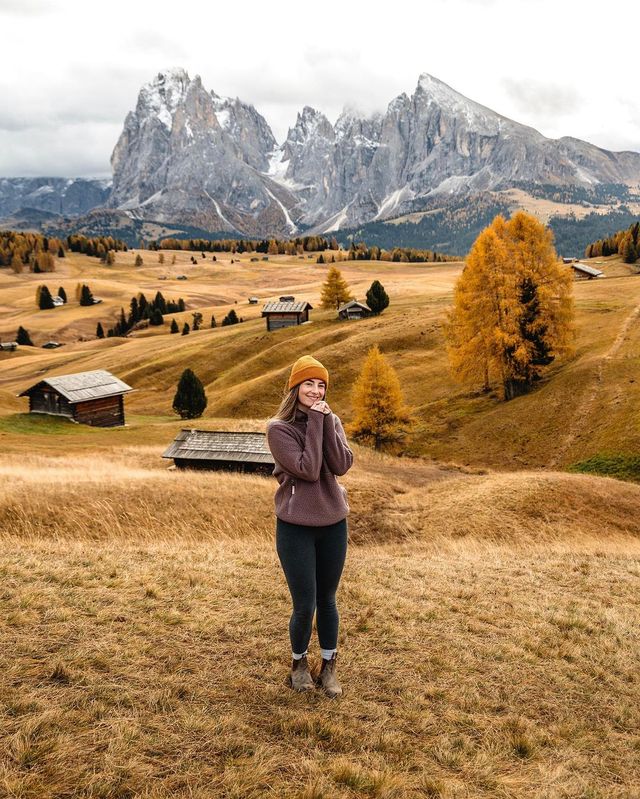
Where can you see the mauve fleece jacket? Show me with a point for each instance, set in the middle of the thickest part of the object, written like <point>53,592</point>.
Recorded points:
<point>309,452</point>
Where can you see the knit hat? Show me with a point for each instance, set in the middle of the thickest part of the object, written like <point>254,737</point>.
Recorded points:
<point>305,368</point>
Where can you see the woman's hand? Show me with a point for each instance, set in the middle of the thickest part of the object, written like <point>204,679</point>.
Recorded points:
<point>321,406</point>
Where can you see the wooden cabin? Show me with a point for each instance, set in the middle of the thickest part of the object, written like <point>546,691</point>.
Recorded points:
<point>353,310</point>
<point>286,314</point>
<point>584,271</point>
<point>95,398</point>
<point>216,449</point>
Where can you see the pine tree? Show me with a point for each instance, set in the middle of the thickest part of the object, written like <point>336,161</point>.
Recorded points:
<point>335,290</point>
<point>320,259</point>
<point>156,317</point>
<point>513,307</point>
<point>99,330</point>
<point>230,319</point>
<point>138,261</point>
<point>174,326</point>
<point>377,298</point>
<point>190,399</point>
<point>380,415</point>
<point>197,320</point>
<point>627,249</point>
<point>213,321</point>
<point>62,294</point>
<point>86,297</point>
<point>161,258</point>
<point>23,337</point>
<point>185,329</point>
<point>45,299</point>
<point>61,252</point>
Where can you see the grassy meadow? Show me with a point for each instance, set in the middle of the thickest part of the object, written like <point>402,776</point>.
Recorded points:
<point>489,632</point>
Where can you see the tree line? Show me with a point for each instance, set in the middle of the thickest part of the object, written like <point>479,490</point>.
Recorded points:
<point>625,243</point>
<point>266,246</point>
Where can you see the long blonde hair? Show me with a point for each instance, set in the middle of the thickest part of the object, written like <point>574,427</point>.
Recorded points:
<point>289,404</point>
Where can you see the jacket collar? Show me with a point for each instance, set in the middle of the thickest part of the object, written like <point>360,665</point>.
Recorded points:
<point>301,416</point>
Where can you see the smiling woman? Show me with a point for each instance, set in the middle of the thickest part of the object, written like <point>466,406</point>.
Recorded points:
<point>310,448</point>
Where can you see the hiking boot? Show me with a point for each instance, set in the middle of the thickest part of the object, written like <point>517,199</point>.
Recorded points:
<point>327,678</point>
<point>301,679</point>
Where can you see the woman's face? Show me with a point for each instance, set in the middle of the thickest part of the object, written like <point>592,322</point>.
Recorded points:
<point>311,391</point>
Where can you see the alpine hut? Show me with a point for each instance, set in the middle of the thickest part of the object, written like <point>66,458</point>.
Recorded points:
<point>215,449</point>
<point>95,398</point>
<point>353,310</point>
<point>286,313</point>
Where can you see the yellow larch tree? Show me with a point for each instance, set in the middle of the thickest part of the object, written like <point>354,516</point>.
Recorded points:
<point>380,415</point>
<point>335,290</point>
<point>513,307</point>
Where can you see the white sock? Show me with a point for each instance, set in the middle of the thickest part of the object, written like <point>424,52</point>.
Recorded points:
<point>327,653</point>
<point>299,657</point>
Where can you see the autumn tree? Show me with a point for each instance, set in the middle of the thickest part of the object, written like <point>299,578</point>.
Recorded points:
<point>513,307</point>
<point>335,290</point>
<point>380,415</point>
<point>190,399</point>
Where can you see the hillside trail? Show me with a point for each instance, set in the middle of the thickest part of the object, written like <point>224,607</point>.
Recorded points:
<point>593,390</point>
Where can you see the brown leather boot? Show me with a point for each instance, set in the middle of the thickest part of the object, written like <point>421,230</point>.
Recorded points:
<point>327,678</point>
<point>301,679</point>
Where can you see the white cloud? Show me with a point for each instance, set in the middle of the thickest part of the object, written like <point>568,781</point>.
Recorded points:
<point>75,76</point>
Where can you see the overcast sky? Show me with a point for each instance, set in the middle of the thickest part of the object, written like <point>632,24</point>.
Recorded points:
<point>71,69</point>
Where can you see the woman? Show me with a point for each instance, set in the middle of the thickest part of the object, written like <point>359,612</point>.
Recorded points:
<point>309,447</point>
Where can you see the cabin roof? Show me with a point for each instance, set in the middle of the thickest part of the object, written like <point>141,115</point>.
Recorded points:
<point>220,445</point>
<point>353,303</point>
<point>588,270</point>
<point>286,307</point>
<point>83,385</point>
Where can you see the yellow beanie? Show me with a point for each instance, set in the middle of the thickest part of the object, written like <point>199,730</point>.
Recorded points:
<point>305,368</point>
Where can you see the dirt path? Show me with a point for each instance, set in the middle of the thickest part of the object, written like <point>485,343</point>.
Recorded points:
<point>593,390</point>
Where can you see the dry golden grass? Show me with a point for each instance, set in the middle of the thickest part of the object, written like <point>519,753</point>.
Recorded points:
<point>487,648</point>
<point>583,407</point>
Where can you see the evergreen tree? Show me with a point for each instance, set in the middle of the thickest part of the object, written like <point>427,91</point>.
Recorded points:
<point>627,249</point>
<point>61,252</point>
<point>62,294</point>
<point>159,302</point>
<point>156,317</point>
<point>197,320</point>
<point>213,321</point>
<point>174,326</point>
<point>377,298</point>
<point>335,290</point>
<point>230,319</point>
<point>185,329</point>
<point>99,330</point>
<point>513,307</point>
<point>161,258</point>
<point>45,299</point>
<point>138,261</point>
<point>320,259</point>
<point>380,415</point>
<point>190,399</point>
<point>23,337</point>
<point>86,297</point>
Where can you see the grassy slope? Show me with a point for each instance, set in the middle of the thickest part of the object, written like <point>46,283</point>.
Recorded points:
<point>489,621</point>
<point>582,407</point>
<point>487,648</point>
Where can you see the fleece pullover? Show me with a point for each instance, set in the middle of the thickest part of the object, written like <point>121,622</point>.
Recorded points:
<point>309,452</point>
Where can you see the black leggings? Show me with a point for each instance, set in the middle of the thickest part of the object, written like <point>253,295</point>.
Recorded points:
<point>312,559</point>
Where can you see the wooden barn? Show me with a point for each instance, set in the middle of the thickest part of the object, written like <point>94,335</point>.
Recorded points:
<point>353,310</point>
<point>286,313</point>
<point>215,449</point>
<point>95,398</point>
<point>585,272</point>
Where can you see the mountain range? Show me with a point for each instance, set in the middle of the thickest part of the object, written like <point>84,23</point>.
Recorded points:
<point>187,156</point>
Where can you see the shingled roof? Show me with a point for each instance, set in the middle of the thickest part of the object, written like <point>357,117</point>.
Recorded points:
<point>218,445</point>
<point>83,385</point>
<point>286,307</point>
